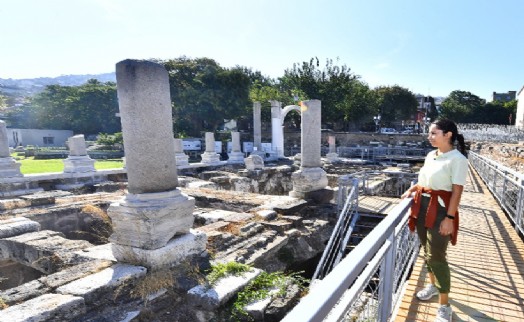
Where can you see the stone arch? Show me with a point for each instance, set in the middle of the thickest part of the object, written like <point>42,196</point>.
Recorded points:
<point>278,115</point>
<point>288,109</point>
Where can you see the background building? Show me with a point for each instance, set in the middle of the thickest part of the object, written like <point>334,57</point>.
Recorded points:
<point>519,118</point>
<point>39,138</point>
<point>504,97</point>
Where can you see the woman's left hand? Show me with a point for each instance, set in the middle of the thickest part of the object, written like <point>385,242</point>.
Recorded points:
<point>446,227</point>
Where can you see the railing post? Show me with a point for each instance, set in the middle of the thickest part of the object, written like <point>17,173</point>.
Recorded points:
<point>504,182</point>
<point>520,207</point>
<point>387,278</point>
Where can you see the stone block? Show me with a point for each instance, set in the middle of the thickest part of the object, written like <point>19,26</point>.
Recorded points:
<point>9,168</point>
<point>23,293</point>
<point>48,307</point>
<point>307,180</point>
<point>99,287</point>
<point>267,214</point>
<point>176,250</point>
<point>279,226</point>
<point>46,251</point>
<point>79,164</point>
<point>7,204</point>
<point>254,162</point>
<point>17,226</point>
<point>235,157</point>
<point>214,216</point>
<point>103,252</point>
<point>211,158</point>
<point>150,220</point>
<point>210,298</point>
<point>72,273</point>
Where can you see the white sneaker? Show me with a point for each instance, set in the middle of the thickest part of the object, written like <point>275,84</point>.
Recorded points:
<point>427,292</point>
<point>444,313</point>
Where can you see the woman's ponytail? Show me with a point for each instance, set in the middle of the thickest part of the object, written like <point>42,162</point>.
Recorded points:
<point>460,143</point>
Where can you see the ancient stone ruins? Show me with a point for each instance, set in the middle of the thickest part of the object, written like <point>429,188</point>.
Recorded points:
<point>138,243</point>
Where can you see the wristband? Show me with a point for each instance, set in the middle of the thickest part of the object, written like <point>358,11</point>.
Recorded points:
<point>450,217</point>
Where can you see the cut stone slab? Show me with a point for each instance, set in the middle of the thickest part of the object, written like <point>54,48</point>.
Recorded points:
<point>23,292</point>
<point>48,307</point>
<point>289,206</point>
<point>95,287</point>
<point>219,225</point>
<point>267,214</point>
<point>279,226</point>
<point>45,197</point>
<point>239,217</point>
<point>46,251</point>
<point>103,252</point>
<point>17,226</point>
<point>213,297</point>
<point>256,309</point>
<point>75,272</point>
<point>7,204</point>
<point>215,215</point>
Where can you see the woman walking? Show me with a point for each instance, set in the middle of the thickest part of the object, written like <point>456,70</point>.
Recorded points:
<point>434,212</point>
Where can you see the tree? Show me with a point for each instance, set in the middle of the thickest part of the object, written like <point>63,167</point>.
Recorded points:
<point>3,102</point>
<point>460,105</point>
<point>495,112</point>
<point>87,109</point>
<point>395,103</point>
<point>204,94</point>
<point>345,99</point>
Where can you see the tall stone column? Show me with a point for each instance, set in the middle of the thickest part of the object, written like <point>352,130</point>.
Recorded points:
<point>277,128</point>
<point>78,159</point>
<point>181,158</point>
<point>8,166</point>
<point>311,177</point>
<point>152,223</point>
<point>210,157</point>
<point>236,155</point>
<point>257,130</point>
<point>332,155</point>
<point>257,126</point>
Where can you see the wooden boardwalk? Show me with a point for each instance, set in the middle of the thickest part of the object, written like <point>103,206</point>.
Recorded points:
<point>487,265</point>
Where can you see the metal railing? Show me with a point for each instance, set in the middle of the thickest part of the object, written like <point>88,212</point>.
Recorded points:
<point>382,153</point>
<point>347,218</point>
<point>366,284</point>
<point>505,184</point>
<point>383,183</point>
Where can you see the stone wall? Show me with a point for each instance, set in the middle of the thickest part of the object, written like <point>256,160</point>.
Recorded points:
<point>507,154</point>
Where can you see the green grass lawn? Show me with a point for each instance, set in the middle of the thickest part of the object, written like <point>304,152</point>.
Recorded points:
<point>31,166</point>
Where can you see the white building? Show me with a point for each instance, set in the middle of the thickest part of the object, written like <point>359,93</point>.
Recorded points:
<point>519,118</point>
<point>39,138</point>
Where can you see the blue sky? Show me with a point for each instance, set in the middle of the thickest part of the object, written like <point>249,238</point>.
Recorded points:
<point>428,46</point>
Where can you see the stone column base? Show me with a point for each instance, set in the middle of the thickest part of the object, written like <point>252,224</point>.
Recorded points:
<point>332,157</point>
<point>236,157</point>
<point>150,220</point>
<point>9,168</point>
<point>307,180</point>
<point>210,158</point>
<point>181,159</point>
<point>176,250</point>
<point>81,163</point>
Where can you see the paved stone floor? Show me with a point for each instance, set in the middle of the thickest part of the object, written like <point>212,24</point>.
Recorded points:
<point>487,265</point>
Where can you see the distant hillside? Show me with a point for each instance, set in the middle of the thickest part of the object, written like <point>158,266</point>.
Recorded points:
<point>30,86</point>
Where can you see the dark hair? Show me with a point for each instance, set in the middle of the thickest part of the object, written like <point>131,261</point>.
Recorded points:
<point>446,126</point>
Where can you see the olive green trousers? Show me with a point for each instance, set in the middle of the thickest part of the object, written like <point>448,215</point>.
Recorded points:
<point>435,246</point>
